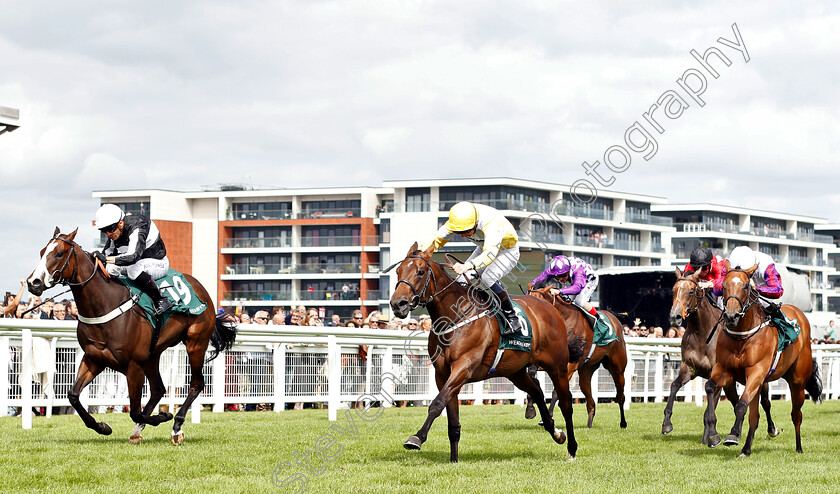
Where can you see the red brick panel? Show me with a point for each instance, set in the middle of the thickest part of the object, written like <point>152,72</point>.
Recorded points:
<point>177,236</point>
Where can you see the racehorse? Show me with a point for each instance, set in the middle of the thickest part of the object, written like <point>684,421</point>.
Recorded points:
<point>693,308</point>
<point>463,344</point>
<point>613,356</point>
<point>124,342</point>
<point>745,353</point>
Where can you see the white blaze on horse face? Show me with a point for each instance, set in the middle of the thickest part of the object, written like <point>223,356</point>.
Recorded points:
<point>41,272</point>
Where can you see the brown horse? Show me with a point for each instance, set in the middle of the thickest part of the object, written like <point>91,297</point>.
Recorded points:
<point>693,308</point>
<point>613,356</point>
<point>746,352</point>
<point>123,343</point>
<point>464,340</point>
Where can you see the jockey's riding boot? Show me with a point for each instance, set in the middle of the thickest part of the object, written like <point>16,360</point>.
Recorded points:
<point>775,311</point>
<point>507,309</point>
<point>147,284</point>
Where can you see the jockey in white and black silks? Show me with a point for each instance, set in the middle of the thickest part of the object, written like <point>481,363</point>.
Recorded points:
<point>496,254</point>
<point>133,249</point>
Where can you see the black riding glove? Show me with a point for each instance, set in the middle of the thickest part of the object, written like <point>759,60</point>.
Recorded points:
<point>101,256</point>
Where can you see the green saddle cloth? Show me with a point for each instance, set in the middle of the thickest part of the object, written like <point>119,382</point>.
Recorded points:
<point>604,331</point>
<point>176,288</point>
<point>521,340</point>
<point>788,331</point>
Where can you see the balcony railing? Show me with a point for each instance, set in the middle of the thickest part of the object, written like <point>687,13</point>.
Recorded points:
<point>263,269</point>
<point>330,213</point>
<point>258,243</point>
<point>627,245</point>
<point>326,241</point>
<point>800,260</point>
<point>243,295</point>
<point>329,295</point>
<point>648,219</point>
<point>266,214</point>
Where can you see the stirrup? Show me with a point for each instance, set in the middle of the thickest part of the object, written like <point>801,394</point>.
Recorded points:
<point>513,326</point>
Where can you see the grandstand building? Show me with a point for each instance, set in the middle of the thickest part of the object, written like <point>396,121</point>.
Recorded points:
<point>9,119</point>
<point>257,248</point>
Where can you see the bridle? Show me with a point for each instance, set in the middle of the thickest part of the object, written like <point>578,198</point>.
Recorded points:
<point>417,300</point>
<point>696,293</point>
<point>752,295</point>
<point>56,275</point>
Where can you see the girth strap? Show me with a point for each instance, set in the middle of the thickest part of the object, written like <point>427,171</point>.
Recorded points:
<point>743,335</point>
<point>122,309</point>
<point>464,322</point>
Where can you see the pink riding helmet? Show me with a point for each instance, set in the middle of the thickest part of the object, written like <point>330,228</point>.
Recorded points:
<point>561,265</point>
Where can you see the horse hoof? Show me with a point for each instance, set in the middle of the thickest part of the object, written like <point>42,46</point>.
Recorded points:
<point>571,458</point>
<point>530,412</point>
<point>104,429</point>
<point>775,432</point>
<point>540,423</point>
<point>559,436</point>
<point>413,442</point>
<point>666,429</point>
<point>177,438</point>
<point>731,440</point>
<point>623,424</point>
<point>743,455</point>
<point>165,416</point>
<point>135,439</point>
<point>713,441</point>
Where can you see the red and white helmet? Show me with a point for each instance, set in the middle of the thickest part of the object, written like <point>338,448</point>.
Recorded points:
<point>561,264</point>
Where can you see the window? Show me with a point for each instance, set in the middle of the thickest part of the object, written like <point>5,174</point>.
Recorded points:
<point>627,240</point>
<point>497,196</point>
<point>261,237</point>
<point>769,249</point>
<point>417,199</point>
<point>346,208</point>
<point>626,261</point>
<point>330,236</point>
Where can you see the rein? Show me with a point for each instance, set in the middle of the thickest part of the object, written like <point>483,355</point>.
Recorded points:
<point>66,281</point>
<point>752,298</point>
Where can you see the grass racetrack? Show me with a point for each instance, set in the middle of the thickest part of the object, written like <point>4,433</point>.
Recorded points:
<point>500,452</point>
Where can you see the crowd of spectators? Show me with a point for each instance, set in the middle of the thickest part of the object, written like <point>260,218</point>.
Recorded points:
<point>640,330</point>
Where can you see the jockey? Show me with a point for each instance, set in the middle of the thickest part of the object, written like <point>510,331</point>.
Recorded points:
<point>579,273</point>
<point>496,255</point>
<point>134,249</point>
<point>765,279</point>
<point>712,269</point>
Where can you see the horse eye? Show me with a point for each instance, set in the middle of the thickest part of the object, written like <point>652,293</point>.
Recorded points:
<point>59,254</point>
<point>421,272</point>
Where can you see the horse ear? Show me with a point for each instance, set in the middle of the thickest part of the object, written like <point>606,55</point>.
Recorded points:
<point>679,273</point>
<point>412,249</point>
<point>751,270</point>
<point>56,232</point>
<point>728,266</point>
<point>73,235</point>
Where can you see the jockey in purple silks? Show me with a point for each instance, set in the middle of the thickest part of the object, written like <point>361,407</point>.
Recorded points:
<point>576,271</point>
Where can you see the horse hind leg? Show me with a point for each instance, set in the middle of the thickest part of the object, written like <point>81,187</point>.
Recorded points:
<point>196,350</point>
<point>156,391</point>
<point>531,386</point>
<point>617,373</point>
<point>530,411</point>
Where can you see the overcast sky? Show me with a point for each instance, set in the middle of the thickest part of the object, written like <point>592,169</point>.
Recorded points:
<point>177,95</point>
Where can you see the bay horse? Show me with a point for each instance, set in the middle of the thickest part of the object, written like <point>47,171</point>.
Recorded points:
<point>123,342</point>
<point>746,352</point>
<point>613,356</point>
<point>463,344</point>
<point>694,309</point>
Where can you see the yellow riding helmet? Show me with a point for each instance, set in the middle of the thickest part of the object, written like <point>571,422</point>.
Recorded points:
<point>462,217</point>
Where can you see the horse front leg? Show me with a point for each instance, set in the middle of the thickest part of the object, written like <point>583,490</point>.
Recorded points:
<point>156,391</point>
<point>772,430</point>
<point>530,411</point>
<point>713,386</point>
<point>747,450</point>
<point>135,377</point>
<point>585,383</point>
<point>454,429</point>
<point>88,370</point>
<point>683,377</point>
<point>449,391</point>
<point>755,378</point>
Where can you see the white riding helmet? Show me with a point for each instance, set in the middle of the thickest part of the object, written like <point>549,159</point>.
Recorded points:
<point>107,215</point>
<point>742,257</point>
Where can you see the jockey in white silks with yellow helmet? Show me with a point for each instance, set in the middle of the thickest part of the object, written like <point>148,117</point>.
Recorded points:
<point>496,253</point>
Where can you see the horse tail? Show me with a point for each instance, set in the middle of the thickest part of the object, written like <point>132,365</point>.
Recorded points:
<point>224,334</point>
<point>577,346</point>
<point>815,385</point>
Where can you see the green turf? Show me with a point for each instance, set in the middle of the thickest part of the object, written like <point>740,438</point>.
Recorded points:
<point>500,452</point>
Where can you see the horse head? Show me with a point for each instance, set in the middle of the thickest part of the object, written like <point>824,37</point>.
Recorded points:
<point>687,296</point>
<point>738,294</point>
<point>417,284</point>
<point>58,263</point>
